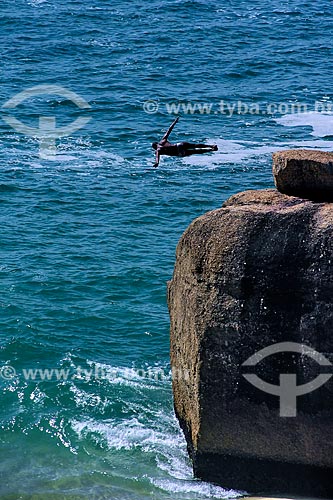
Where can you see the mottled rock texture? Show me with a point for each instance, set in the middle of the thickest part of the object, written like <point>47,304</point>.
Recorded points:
<point>256,272</point>
<point>304,173</point>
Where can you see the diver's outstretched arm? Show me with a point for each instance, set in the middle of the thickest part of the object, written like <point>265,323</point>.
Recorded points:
<point>157,160</point>
<point>166,135</point>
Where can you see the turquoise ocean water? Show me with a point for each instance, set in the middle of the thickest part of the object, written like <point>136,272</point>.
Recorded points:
<point>88,238</point>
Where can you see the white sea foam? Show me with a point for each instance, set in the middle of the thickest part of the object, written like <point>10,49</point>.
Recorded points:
<point>321,123</point>
<point>148,377</point>
<point>129,434</point>
<point>36,3</point>
<point>240,151</point>
<point>153,431</point>
<point>168,447</point>
<point>75,153</point>
<point>205,490</point>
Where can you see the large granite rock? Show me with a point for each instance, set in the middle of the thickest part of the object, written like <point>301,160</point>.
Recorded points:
<point>256,272</point>
<point>304,173</point>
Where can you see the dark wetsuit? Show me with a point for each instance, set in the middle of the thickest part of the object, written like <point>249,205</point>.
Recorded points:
<point>182,148</point>
<point>179,149</point>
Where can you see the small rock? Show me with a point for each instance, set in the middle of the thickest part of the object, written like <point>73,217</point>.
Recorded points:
<point>304,173</point>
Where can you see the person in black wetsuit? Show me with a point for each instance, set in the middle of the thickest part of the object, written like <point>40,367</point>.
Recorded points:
<point>182,149</point>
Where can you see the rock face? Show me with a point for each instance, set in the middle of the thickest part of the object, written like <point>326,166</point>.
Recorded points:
<point>257,272</point>
<point>304,173</point>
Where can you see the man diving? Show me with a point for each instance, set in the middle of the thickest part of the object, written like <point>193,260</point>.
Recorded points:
<point>182,149</point>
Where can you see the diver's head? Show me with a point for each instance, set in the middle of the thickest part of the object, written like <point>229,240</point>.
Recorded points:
<point>154,145</point>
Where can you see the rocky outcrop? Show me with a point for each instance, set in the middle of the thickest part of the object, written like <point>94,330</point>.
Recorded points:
<point>304,173</point>
<point>253,274</point>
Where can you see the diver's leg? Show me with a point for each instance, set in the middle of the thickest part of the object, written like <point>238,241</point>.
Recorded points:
<point>197,151</point>
<point>194,145</point>
<point>189,145</point>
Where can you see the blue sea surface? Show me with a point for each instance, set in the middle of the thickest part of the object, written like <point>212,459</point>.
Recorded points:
<point>88,236</point>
